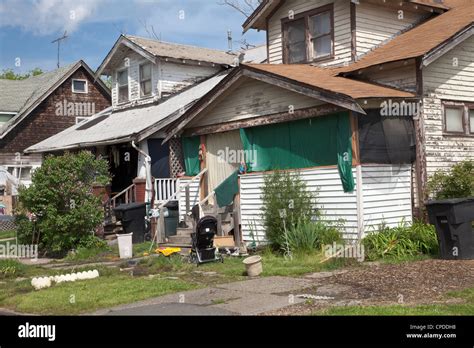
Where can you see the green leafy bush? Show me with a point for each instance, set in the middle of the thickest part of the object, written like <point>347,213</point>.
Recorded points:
<point>92,242</point>
<point>401,241</point>
<point>308,236</point>
<point>60,204</point>
<point>458,182</point>
<point>11,268</point>
<point>284,190</point>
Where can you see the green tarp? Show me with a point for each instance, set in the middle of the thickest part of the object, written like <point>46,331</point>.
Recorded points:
<point>320,141</point>
<point>191,155</point>
<point>226,191</point>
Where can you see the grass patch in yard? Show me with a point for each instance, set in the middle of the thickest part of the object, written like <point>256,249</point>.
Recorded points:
<point>7,234</point>
<point>108,290</point>
<point>465,308</point>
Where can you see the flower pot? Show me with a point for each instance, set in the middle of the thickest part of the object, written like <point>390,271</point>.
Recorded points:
<point>253,266</point>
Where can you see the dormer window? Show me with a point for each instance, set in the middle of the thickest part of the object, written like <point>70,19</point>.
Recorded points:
<point>309,36</point>
<point>145,80</point>
<point>122,86</point>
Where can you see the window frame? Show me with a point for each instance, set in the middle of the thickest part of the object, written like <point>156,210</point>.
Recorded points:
<point>470,107</point>
<point>140,81</point>
<point>306,15</point>
<point>465,107</point>
<point>118,85</point>
<point>86,86</point>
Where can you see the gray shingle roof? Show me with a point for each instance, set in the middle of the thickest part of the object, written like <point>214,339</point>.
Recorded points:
<point>117,126</point>
<point>178,51</point>
<point>18,95</point>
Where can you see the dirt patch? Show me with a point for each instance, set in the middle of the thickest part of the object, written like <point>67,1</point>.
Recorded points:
<point>419,282</point>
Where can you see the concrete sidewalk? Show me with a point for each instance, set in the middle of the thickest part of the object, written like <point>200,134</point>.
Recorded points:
<point>249,297</point>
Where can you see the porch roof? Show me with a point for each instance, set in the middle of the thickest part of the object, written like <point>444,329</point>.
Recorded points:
<point>117,126</point>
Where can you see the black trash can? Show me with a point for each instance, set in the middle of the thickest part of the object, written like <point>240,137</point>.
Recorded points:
<point>132,217</point>
<point>171,218</point>
<point>453,219</point>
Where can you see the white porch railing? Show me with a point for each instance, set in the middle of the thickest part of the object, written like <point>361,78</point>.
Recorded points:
<point>165,189</point>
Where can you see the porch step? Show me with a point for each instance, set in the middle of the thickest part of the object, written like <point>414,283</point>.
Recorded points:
<point>184,232</point>
<point>183,240</point>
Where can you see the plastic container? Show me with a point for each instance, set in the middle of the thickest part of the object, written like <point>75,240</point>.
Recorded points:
<point>253,266</point>
<point>125,245</point>
<point>132,217</point>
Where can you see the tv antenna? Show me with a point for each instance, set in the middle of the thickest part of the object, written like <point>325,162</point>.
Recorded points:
<point>58,40</point>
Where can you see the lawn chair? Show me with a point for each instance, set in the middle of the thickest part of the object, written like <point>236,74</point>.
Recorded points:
<point>202,249</point>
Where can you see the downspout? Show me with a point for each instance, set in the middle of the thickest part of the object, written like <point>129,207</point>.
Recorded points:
<point>148,179</point>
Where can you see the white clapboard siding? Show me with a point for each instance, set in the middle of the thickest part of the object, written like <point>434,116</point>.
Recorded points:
<point>331,200</point>
<point>342,35</point>
<point>376,24</point>
<point>387,195</point>
<point>403,77</point>
<point>194,195</point>
<point>253,98</point>
<point>450,77</point>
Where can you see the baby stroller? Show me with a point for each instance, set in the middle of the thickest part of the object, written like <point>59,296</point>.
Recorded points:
<point>202,249</point>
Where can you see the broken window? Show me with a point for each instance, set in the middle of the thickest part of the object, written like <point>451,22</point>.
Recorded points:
<point>145,79</point>
<point>122,85</point>
<point>309,36</point>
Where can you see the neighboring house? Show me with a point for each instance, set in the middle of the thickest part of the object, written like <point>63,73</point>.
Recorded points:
<point>36,108</point>
<point>364,98</point>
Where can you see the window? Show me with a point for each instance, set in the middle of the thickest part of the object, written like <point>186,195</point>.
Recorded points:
<point>453,119</point>
<point>79,86</point>
<point>471,121</point>
<point>145,79</point>
<point>5,117</point>
<point>309,36</point>
<point>122,85</point>
<point>458,118</point>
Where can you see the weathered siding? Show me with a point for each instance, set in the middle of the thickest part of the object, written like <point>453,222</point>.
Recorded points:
<point>386,199</point>
<point>376,24</point>
<point>167,77</point>
<point>443,80</point>
<point>253,98</point>
<point>387,195</point>
<point>331,199</point>
<point>403,77</point>
<point>342,32</point>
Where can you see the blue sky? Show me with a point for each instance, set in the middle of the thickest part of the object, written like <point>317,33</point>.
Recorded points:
<point>27,28</point>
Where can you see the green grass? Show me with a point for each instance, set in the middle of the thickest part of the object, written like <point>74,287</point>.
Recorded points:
<point>465,308</point>
<point>108,290</point>
<point>7,234</point>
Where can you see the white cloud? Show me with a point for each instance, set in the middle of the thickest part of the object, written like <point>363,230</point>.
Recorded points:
<point>43,17</point>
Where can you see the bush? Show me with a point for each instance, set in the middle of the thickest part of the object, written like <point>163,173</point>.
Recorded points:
<point>60,202</point>
<point>92,242</point>
<point>11,268</point>
<point>284,190</point>
<point>401,241</point>
<point>309,236</point>
<point>458,182</point>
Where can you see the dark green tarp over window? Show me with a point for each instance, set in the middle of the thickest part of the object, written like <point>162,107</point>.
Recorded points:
<point>226,191</point>
<point>319,141</point>
<point>191,155</point>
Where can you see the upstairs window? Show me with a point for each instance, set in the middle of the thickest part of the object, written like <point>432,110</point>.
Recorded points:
<point>471,120</point>
<point>145,80</point>
<point>122,86</point>
<point>309,36</point>
<point>458,118</point>
<point>79,86</point>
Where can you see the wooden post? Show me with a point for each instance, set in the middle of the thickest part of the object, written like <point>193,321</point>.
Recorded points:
<point>236,215</point>
<point>203,180</point>
<point>359,182</point>
<point>188,200</point>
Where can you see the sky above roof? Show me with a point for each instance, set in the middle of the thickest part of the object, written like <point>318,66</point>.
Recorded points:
<point>27,28</point>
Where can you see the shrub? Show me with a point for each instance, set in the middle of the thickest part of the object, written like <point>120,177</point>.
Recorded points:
<point>309,236</point>
<point>92,242</point>
<point>61,201</point>
<point>458,182</point>
<point>401,241</point>
<point>284,190</point>
<point>11,268</point>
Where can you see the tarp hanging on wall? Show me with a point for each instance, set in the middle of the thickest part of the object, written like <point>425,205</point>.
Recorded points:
<point>160,156</point>
<point>386,139</point>
<point>319,141</point>
<point>191,155</point>
<point>226,191</point>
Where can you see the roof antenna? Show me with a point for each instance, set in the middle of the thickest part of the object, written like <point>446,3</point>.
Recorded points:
<point>58,40</point>
<point>229,40</point>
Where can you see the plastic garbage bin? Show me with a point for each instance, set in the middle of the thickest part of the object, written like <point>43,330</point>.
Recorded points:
<point>171,218</point>
<point>453,219</point>
<point>132,217</point>
<point>125,245</point>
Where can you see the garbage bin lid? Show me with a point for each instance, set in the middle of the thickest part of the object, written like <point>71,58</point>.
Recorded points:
<point>451,201</point>
<point>172,205</point>
<point>129,206</point>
